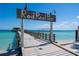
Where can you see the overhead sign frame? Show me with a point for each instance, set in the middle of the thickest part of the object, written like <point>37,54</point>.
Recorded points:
<point>26,14</point>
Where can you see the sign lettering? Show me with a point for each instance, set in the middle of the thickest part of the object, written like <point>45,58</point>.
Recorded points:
<point>35,16</point>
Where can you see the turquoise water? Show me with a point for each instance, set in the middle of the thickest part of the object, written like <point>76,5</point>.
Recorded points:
<point>7,40</point>
<point>65,35</point>
<point>61,35</point>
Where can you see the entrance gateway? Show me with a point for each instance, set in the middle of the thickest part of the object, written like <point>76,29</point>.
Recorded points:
<point>33,15</point>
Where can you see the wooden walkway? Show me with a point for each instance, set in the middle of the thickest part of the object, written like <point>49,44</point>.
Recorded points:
<point>47,50</point>
<point>32,47</point>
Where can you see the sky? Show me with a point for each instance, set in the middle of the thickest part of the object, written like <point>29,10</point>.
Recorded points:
<point>67,16</point>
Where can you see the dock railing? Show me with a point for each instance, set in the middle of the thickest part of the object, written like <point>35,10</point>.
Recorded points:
<point>42,35</point>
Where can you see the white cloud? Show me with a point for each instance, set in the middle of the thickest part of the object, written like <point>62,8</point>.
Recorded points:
<point>61,26</point>
<point>77,17</point>
<point>67,25</point>
<point>43,26</point>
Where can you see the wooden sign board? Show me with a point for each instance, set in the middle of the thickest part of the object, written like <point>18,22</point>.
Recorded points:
<point>26,14</point>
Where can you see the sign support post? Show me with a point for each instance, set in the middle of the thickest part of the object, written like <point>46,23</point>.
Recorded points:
<point>51,30</point>
<point>51,33</point>
<point>22,33</point>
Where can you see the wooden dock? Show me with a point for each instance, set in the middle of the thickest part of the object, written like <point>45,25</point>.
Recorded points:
<point>32,48</point>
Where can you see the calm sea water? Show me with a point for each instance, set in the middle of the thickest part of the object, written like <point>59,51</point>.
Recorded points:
<point>7,40</point>
<point>61,35</point>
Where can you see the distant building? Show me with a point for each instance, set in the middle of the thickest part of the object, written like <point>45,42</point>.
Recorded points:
<point>16,29</point>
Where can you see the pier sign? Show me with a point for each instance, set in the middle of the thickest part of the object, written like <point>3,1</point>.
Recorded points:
<point>26,14</point>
